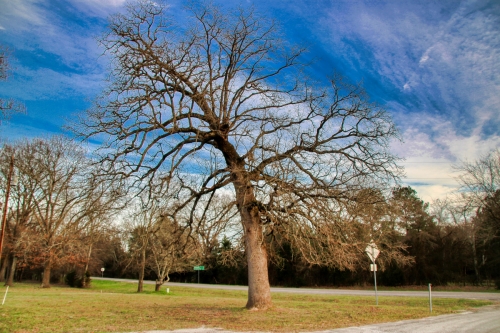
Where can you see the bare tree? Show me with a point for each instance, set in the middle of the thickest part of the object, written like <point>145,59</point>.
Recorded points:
<point>480,179</point>
<point>7,106</point>
<point>216,217</point>
<point>22,206</point>
<point>156,242</point>
<point>480,182</point>
<point>218,101</point>
<point>460,211</point>
<point>140,224</point>
<point>171,250</point>
<point>65,195</point>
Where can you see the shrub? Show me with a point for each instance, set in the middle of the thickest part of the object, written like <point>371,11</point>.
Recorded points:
<point>73,279</point>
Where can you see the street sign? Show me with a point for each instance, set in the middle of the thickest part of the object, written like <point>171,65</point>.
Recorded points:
<point>372,251</point>
<point>199,268</point>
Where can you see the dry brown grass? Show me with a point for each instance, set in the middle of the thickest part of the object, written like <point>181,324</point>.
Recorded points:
<point>115,307</point>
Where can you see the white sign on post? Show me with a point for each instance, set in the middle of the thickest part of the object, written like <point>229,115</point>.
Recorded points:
<point>372,251</point>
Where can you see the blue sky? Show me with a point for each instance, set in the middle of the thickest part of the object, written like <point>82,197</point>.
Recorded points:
<point>434,65</point>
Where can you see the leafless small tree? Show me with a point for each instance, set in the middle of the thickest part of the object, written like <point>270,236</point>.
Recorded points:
<point>139,223</point>
<point>171,250</point>
<point>219,101</point>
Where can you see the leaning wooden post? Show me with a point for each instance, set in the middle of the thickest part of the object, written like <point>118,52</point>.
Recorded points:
<point>5,296</point>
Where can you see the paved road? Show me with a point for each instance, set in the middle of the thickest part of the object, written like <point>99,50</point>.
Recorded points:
<point>435,294</point>
<point>484,320</point>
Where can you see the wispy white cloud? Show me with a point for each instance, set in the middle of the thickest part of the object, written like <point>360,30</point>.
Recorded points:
<point>98,7</point>
<point>430,155</point>
<point>449,51</point>
<point>56,42</point>
<point>52,27</point>
<point>436,66</point>
<point>18,14</point>
<point>45,83</point>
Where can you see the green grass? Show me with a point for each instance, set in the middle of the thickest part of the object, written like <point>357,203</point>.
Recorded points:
<point>116,307</point>
<point>450,287</point>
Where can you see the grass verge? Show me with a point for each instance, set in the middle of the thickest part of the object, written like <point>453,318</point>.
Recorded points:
<point>116,307</point>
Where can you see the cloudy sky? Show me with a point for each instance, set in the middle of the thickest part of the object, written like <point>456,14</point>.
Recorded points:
<point>434,65</point>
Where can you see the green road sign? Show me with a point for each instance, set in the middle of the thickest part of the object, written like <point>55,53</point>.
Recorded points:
<point>199,268</point>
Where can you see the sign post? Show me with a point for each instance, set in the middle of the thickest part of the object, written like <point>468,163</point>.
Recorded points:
<point>372,251</point>
<point>430,297</point>
<point>199,268</point>
<point>102,272</point>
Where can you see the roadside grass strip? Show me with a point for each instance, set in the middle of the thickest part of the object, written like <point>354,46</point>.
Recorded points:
<point>116,307</point>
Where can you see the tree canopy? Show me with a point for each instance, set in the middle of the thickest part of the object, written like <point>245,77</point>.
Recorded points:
<point>219,101</point>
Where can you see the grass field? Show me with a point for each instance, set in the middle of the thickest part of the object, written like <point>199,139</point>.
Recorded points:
<point>116,307</point>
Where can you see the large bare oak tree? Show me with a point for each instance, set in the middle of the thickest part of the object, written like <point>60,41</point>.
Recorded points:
<point>215,99</point>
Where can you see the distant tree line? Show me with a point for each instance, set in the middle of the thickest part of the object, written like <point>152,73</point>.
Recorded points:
<point>65,222</point>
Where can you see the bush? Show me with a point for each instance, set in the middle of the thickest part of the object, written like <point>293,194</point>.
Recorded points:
<point>73,279</point>
<point>497,283</point>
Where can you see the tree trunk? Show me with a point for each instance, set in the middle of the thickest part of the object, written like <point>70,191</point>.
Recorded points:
<point>259,290</point>
<point>88,258</point>
<point>10,278</point>
<point>84,278</point>
<point>3,269</point>
<point>142,267</point>
<point>46,274</point>
<point>474,255</point>
<point>158,285</point>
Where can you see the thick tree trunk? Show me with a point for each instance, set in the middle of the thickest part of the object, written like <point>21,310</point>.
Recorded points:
<point>259,290</point>
<point>46,274</point>
<point>10,278</point>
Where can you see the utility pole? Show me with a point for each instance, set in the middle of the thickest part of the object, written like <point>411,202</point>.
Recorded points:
<point>10,182</point>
